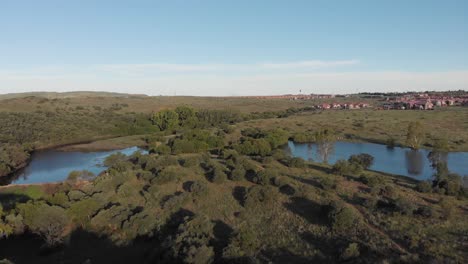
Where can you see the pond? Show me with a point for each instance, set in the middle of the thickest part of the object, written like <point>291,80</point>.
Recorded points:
<point>401,161</point>
<point>54,166</point>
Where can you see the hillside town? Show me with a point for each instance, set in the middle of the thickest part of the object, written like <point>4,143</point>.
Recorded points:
<point>391,101</point>
<point>424,101</point>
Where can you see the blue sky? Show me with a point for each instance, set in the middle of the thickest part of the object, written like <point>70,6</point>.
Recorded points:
<point>233,47</point>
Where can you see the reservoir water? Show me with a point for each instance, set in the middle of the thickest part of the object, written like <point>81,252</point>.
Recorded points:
<point>401,161</point>
<point>54,166</point>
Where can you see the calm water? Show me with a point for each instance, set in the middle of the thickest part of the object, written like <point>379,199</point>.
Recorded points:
<point>401,161</point>
<point>54,166</point>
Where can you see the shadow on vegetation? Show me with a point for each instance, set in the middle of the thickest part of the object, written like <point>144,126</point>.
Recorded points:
<point>9,200</point>
<point>309,210</point>
<point>283,255</point>
<point>82,247</point>
<point>239,193</point>
<point>222,233</point>
<point>86,247</point>
<point>287,190</point>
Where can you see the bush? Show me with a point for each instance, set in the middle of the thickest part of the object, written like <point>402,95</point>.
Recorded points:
<point>218,175</point>
<point>352,251</point>
<point>343,167</point>
<point>404,206</point>
<point>328,183</point>
<point>447,207</point>
<point>364,160</point>
<point>16,222</point>
<point>372,181</point>
<point>198,188</point>
<point>166,175</point>
<point>259,147</point>
<point>264,177</point>
<point>257,195</point>
<point>190,162</point>
<point>238,174</point>
<point>80,212</point>
<point>59,198</point>
<point>424,187</point>
<point>279,181</point>
<point>191,243</point>
<point>75,195</point>
<point>162,149</point>
<point>243,243</point>
<point>296,162</point>
<point>80,175</point>
<point>342,218</point>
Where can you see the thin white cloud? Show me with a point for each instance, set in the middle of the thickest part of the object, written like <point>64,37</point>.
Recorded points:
<point>172,68</point>
<point>242,84</point>
<point>314,64</point>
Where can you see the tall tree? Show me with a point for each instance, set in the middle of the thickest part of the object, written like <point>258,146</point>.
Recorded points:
<point>166,119</point>
<point>415,135</point>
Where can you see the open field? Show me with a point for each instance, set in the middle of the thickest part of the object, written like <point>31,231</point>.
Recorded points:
<point>108,144</point>
<point>379,125</point>
<point>149,104</point>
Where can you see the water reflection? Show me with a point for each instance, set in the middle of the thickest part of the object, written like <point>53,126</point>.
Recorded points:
<point>414,162</point>
<point>400,161</point>
<point>55,166</point>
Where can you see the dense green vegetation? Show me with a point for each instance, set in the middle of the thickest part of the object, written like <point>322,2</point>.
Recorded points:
<point>217,186</point>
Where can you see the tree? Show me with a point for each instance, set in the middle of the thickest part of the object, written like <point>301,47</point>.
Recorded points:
<point>166,119</point>
<point>191,243</point>
<point>325,140</point>
<point>187,116</point>
<point>49,222</point>
<point>415,135</point>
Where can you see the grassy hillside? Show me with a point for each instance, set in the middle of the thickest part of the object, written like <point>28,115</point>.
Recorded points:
<point>191,208</point>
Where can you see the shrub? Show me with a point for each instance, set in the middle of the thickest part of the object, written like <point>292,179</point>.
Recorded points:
<point>238,174</point>
<point>424,187</point>
<point>242,243</point>
<point>75,195</point>
<point>16,222</point>
<point>256,195</point>
<point>372,181</point>
<point>447,207</point>
<point>404,206</point>
<point>198,188</point>
<point>79,175</point>
<point>352,251</point>
<point>191,242</point>
<point>342,218</point>
<point>259,147</point>
<point>59,198</point>
<point>364,160</point>
<point>166,175</point>
<point>162,149</point>
<point>264,177</point>
<point>343,167</point>
<point>80,212</point>
<point>328,183</point>
<point>296,162</point>
<point>279,181</point>
<point>425,211</point>
<point>218,175</point>
<point>190,162</point>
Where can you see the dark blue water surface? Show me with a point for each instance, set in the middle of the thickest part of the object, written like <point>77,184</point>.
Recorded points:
<point>54,166</point>
<point>401,161</point>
